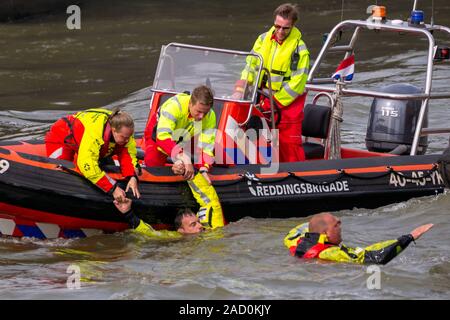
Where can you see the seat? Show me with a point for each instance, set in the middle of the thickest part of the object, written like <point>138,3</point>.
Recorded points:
<point>315,124</point>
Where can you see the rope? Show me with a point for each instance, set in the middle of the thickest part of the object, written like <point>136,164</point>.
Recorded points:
<point>400,174</point>
<point>336,119</point>
<point>342,173</point>
<point>226,184</point>
<point>293,175</point>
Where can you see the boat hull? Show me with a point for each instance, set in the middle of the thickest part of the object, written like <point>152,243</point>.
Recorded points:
<point>38,191</point>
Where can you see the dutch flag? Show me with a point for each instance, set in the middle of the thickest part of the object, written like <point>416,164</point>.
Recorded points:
<point>345,69</point>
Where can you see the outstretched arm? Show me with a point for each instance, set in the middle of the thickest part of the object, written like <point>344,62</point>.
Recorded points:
<point>125,208</point>
<point>140,226</point>
<point>378,253</point>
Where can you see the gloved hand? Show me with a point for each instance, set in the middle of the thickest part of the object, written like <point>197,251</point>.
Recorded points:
<point>239,89</point>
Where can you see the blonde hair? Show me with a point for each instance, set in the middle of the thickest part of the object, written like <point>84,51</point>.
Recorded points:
<point>119,119</point>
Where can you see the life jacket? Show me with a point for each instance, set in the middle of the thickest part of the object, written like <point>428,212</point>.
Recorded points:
<point>285,62</point>
<point>90,150</point>
<point>174,115</point>
<point>311,245</point>
<point>71,141</point>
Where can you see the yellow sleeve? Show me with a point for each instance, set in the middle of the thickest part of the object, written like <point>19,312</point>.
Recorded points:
<point>249,73</point>
<point>147,230</point>
<point>378,253</point>
<point>208,135</point>
<point>88,158</point>
<point>291,239</point>
<point>168,117</point>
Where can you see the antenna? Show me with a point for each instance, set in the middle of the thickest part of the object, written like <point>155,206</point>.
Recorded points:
<point>432,13</point>
<point>415,5</point>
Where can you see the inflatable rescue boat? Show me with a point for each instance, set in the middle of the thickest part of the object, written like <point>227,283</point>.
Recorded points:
<point>46,198</point>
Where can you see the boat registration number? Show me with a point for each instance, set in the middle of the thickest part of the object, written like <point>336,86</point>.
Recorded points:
<point>419,178</point>
<point>4,166</point>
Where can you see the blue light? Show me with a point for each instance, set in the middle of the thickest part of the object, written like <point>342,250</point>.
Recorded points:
<point>416,16</point>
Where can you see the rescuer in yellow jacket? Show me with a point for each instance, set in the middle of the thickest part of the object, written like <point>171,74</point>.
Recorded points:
<point>286,56</point>
<point>321,238</point>
<point>170,132</point>
<point>91,135</point>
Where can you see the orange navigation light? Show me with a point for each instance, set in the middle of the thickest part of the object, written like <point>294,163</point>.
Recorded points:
<point>379,12</point>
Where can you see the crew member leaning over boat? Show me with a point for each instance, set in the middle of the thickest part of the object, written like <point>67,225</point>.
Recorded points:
<point>321,238</point>
<point>91,135</point>
<point>184,116</point>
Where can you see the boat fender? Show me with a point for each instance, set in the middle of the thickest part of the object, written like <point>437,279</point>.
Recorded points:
<point>444,166</point>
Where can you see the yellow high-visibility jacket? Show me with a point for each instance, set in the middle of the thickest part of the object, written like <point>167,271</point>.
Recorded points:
<point>175,121</point>
<point>88,129</point>
<point>288,64</point>
<point>304,244</point>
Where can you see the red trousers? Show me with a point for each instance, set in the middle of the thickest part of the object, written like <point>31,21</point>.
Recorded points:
<point>55,144</point>
<point>153,157</point>
<point>290,131</point>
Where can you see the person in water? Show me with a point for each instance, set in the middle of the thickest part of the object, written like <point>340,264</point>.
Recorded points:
<point>186,222</point>
<point>190,114</point>
<point>91,135</point>
<point>321,238</point>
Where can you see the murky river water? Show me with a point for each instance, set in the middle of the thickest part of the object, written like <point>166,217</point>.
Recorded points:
<point>47,71</point>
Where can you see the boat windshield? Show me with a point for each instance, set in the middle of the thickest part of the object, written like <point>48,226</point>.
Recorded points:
<point>183,67</point>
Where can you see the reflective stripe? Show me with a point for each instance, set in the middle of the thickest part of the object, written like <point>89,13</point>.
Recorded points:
<point>249,68</point>
<point>300,71</point>
<point>276,78</point>
<point>111,180</point>
<point>302,47</point>
<point>161,130</point>
<point>289,91</point>
<point>169,116</point>
<point>199,192</point>
<point>56,154</point>
<point>263,36</point>
<point>206,146</point>
<point>209,132</point>
<point>175,98</point>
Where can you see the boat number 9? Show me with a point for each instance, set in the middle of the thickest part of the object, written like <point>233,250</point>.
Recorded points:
<point>4,166</point>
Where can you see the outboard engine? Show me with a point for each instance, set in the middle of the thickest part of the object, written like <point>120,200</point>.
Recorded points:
<point>392,122</point>
<point>444,165</point>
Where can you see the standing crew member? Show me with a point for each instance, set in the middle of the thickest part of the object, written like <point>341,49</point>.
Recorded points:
<point>91,135</point>
<point>286,57</point>
<point>322,238</point>
<point>181,118</point>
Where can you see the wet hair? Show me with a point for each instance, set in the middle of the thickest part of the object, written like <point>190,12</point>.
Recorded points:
<point>119,119</point>
<point>180,215</point>
<point>287,11</point>
<point>204,95</point>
